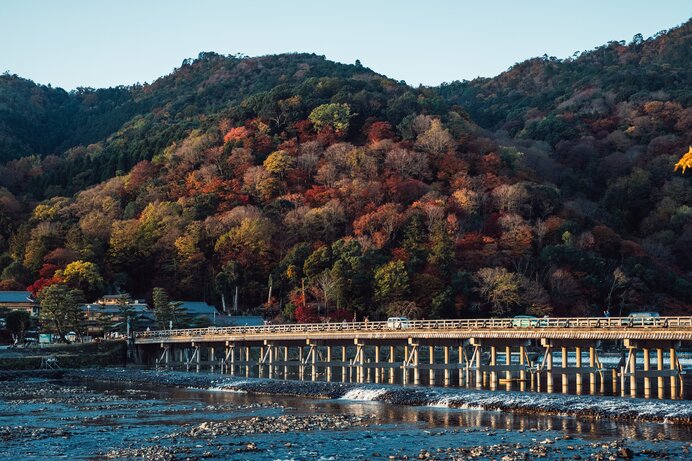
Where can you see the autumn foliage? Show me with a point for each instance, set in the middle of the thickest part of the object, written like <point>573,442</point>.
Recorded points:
<point>549,189</point>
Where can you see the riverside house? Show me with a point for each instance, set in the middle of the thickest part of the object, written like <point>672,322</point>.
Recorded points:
<point>198,311</point>
<point>19,301</point>
<point>106,314</point>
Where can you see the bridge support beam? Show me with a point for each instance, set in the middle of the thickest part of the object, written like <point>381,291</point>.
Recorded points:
<point>286,354</point>
<point>392,359</point>
<point>345,369</point>
<point>431,360</point>
<point>428,346</point>
<point>674,371</point>
<point>494,367</point>
<point>578,378</point>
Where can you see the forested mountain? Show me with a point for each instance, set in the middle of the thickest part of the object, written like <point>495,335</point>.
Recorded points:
<point>320,189</point>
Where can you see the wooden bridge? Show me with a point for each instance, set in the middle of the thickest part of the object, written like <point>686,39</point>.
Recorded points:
<point>472,352</point>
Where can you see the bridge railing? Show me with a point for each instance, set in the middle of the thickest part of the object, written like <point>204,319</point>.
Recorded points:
<point>418,325</point>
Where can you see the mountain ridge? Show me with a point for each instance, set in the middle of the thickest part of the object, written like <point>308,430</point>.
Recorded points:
<point>347,191</point>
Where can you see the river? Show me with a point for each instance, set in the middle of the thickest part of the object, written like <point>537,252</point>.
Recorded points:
<point>179,416</point>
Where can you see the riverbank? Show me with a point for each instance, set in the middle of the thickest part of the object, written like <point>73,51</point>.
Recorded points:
<point>121,414</point>
<point>101,354</point>
<point>527,403</point>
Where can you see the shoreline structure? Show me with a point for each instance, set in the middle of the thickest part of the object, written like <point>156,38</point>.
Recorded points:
<point>590,407</point>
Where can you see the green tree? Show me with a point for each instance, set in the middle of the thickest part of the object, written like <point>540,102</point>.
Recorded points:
<point>334,116</point>
<point>167,311</point>
<point>414,242</point>
<point>278,163</point>
<point>60,309</point>
<point>442,251</point>
<point>83,275</point>
<point>391,282</point>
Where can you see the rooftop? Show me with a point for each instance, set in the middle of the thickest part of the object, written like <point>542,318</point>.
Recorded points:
<point>16,297</point>
<point>198,308</point>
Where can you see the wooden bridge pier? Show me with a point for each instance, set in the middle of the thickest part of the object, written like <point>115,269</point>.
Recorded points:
<point>472,353</point>
<point>565,370</point>
<point>493,367</point>
<point>674,371</point>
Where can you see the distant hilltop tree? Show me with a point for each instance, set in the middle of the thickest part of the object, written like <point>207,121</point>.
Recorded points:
<point>685,162</point>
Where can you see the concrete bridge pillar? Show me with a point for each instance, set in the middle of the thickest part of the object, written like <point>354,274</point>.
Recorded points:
<point>328,374</point>
<point>633,370</point>
<point>647,379</point>
<point>578,377</point>
<point>673,377</point>
<point>247,361</point>
<point>478,351</point>
<point>565,379</point>
<point>522,371</point>
<point>270,363</point>
<point>493,364</point>
<point>448,371</point>
<point>549,367</point>
<point>404,370</point>
<point>592,365</point>
<point>212,358</point>
<point>260,362</point>
<point>344,366</point>
<point>508,362</point>
<point>431,360</point>
<point>659,367</point>
<point>230,355</point>
<point>463,367</point>
<point>313,360</point>
<point>392,354</point>
<point>286,362</point>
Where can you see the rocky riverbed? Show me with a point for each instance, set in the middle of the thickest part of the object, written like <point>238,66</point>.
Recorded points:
<point>142,415</point>
<point>594,407</point>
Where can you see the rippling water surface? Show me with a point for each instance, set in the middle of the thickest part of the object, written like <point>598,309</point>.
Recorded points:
<point>92,420</point>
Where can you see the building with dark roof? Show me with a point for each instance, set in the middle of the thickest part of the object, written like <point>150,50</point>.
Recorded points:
<point>198,309</point>
<point>19,301</point>
<point>107,314</point>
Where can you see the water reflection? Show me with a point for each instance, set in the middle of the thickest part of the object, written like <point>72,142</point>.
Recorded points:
<point>426,417</point>
<point>609,382</point>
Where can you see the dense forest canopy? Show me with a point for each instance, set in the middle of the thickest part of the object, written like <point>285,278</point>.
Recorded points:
<point>318,190</point>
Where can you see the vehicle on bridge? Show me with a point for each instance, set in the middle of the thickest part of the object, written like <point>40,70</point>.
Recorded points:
<point>528,321</point>
<point>641,319</point>
<point>398,323</point>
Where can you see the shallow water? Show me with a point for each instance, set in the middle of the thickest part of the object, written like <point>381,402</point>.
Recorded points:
<point>97,417</point>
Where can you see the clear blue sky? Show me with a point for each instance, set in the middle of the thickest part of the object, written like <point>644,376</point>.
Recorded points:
<point>71,43</point>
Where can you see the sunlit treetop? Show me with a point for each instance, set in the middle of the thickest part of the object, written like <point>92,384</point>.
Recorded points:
<point>685,162</point>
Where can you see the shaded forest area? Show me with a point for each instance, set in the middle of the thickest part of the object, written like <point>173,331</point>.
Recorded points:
<point>319,190</point>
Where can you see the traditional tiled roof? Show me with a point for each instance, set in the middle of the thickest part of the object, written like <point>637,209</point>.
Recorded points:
<point>114,308</point>
<point>195,308</point>
<point>16,297</point>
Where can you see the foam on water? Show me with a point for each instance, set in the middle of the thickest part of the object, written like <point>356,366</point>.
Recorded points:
<point>363,394</point>
<point>227,389</point>
<point>557,404</point>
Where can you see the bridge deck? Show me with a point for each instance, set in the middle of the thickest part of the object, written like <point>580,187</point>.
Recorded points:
<point>618,328</point>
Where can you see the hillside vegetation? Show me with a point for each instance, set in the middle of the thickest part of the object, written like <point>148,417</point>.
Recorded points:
<point>320,190</point>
